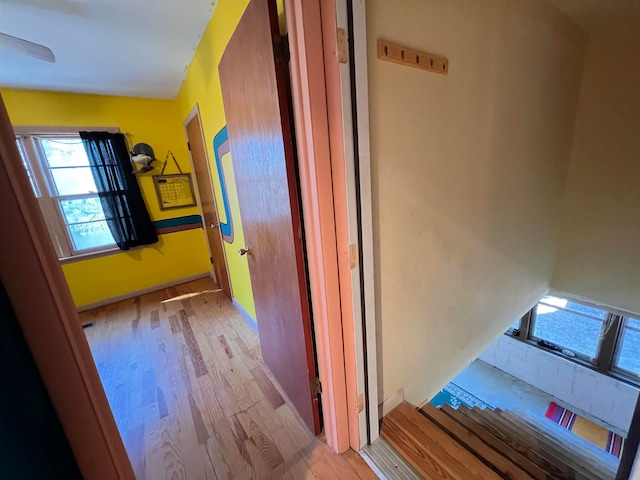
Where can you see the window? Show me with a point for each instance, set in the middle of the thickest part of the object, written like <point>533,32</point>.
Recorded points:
<point>571,326</point>
<point>61,178</point>
<point>628,353</point>
<point>606,341</point>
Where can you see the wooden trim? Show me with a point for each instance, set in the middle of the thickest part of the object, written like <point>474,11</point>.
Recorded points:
<point>195,112</point>
<point>142,291</point>
<point>314,160</point>
<point>32,276</point>
<point>360,89</point>
<point>338,85</point>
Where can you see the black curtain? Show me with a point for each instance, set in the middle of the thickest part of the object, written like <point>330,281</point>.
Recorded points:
<point>118,189</point>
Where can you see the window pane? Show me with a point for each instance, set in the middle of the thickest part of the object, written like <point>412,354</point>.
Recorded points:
<point>64,152</point>
<point>629,347</point>
<point>578,307</point>
<point>73,181</point>
<point>80,210</point>
<point>569,330</point>
<point>90,235</point>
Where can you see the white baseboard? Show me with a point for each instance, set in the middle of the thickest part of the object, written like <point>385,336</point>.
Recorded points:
<point>390,403</point>
<point>252,323</point>
<point>136,293</point>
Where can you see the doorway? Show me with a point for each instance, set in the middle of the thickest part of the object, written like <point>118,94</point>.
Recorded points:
<point>207,200</point>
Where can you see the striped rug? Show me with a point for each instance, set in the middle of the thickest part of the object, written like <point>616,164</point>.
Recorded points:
<point>591,432</point>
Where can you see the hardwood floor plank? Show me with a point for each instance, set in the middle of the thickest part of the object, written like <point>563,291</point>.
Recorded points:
<point>188,308</point>
<point>267,387</point>
<point>175,324</point>
<point>201,430</point>
<point>155,319</point>
<point>192,344</point>
<point>225,346</point>
<point>192,397</point>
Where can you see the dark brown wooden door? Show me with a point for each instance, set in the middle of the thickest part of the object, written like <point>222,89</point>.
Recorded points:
<point>207,202</point>
<point>254,91</point>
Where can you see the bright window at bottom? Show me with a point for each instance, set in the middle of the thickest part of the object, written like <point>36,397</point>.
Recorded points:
<point>628,354</point>
<point>569,325</point>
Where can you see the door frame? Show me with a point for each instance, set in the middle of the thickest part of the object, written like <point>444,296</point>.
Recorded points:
<point>195,112</point>
<point>337,211</point>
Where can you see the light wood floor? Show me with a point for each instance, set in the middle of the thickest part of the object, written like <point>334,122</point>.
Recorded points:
<point>192,399</point>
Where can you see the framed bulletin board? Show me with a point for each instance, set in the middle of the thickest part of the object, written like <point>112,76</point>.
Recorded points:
<point>174,191</point>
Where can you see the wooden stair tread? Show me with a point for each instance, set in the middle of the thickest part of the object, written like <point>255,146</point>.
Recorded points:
<point>579,452</point>
<point>550,445</point>
<point>467,437</point>
<point>541,444</point>
<point>520,443</point>
<point>533,469</point>
<point>572,442</point>
<point>429,449</point>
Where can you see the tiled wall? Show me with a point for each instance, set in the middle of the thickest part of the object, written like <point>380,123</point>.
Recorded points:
<point>603,397</point>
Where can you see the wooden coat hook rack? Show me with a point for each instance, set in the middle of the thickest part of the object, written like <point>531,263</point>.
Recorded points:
<point>392,52</point>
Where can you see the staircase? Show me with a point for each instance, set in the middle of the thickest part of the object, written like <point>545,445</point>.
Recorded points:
<point>466,444</point>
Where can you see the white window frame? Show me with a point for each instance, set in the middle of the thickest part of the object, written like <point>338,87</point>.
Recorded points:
<point>47,196</point>
<point>609,343</point>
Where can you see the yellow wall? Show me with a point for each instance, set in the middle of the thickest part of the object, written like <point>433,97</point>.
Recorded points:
<point>156,122</point>
<point>468,173</point>
<point>202,86</point>
<point>599,256</point>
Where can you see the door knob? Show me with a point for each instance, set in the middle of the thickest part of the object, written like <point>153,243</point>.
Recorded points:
<point>214,225</point>
<point>244,251</point>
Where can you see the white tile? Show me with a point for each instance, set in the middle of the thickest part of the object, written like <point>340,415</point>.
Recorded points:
<point>625,396</point>
<point>530,373</point>
<point>601,407</point>
<point>547,364</point>
<point>621,418</point>
<point>606,387</point>
<point>488,356</point>
<point>543,382</point>
<point>586,378</point>
<point>581,396</point>
<point>566,371</point>
<point>502,359</point>
<point>563,391</point>
<point>515,366</point>
<point>519,350</point>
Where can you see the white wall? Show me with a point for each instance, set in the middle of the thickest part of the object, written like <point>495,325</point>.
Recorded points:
<point>468,173</point>
<point>601,396</point>
<point>599,254</point>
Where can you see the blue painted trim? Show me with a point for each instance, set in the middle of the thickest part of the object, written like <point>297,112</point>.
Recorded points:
<point>178,221</point>
<point>250,320</point>
<point>222,138</point>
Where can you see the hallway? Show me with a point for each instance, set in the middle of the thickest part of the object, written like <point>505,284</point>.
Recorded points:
<point>192,399</point>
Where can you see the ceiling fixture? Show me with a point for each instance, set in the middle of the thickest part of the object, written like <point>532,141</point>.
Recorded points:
<point>25,47</point>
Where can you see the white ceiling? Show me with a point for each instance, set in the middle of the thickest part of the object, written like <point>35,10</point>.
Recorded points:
<point>137,48</point>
